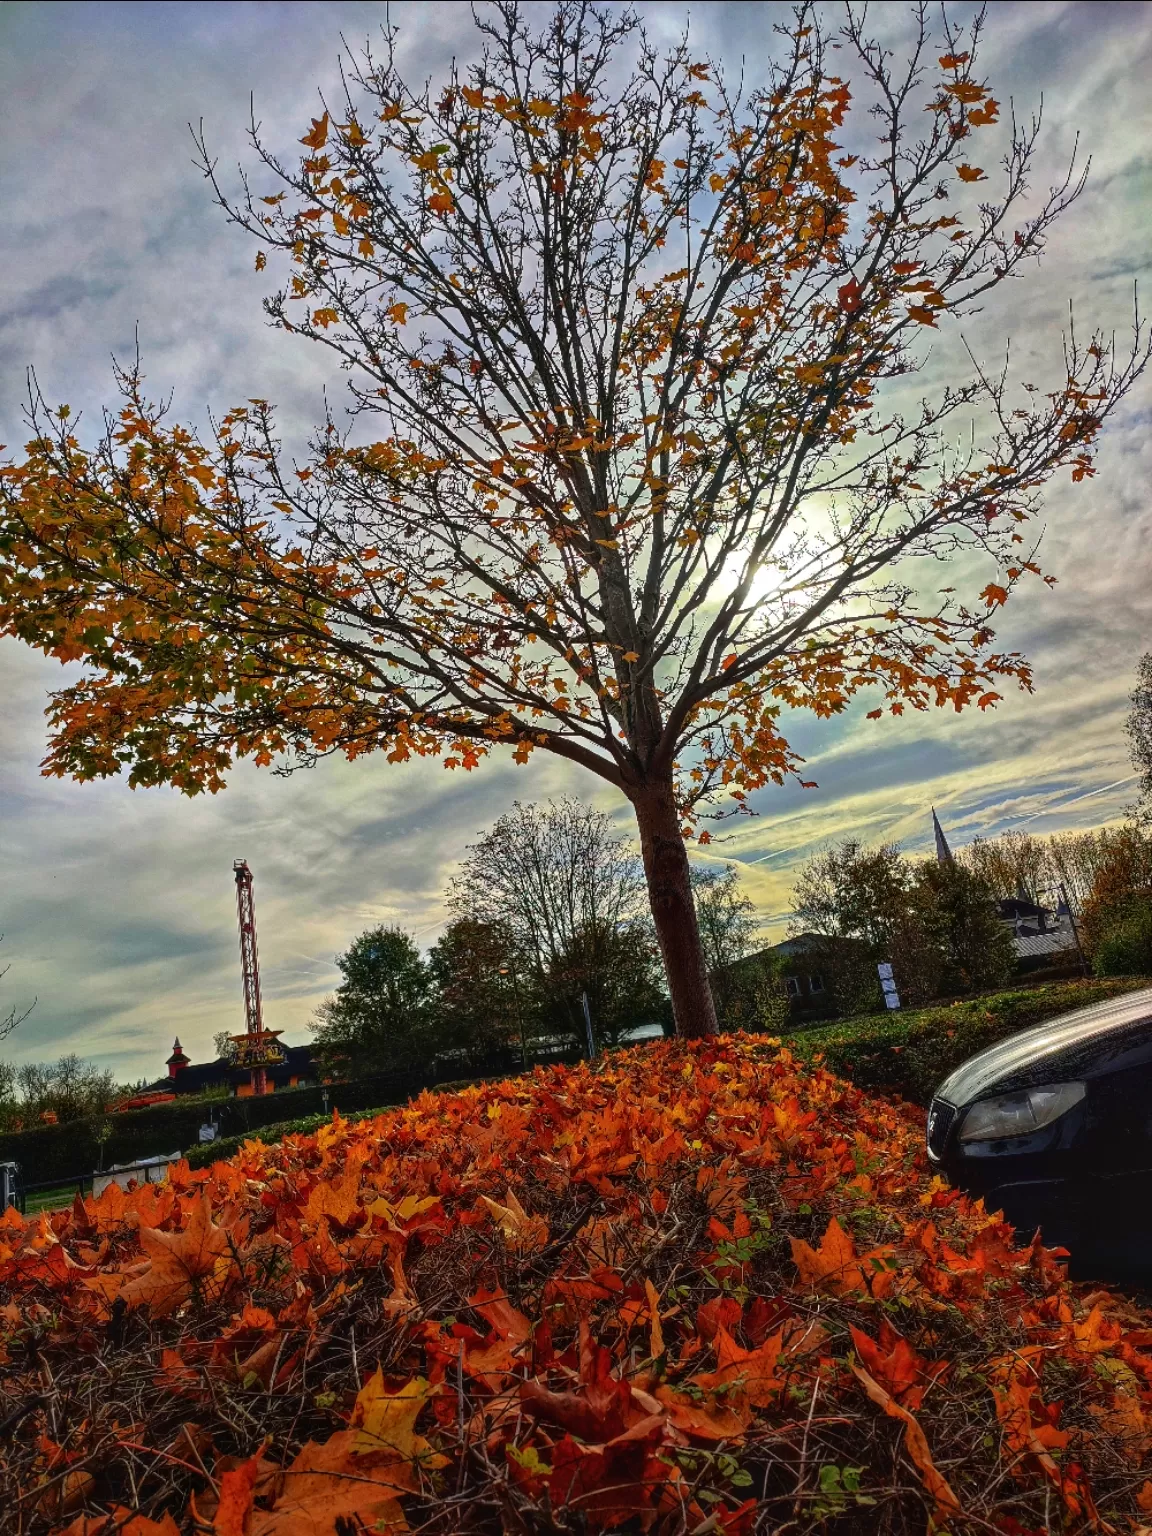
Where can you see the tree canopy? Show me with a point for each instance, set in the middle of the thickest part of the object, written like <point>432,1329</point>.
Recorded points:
<point>624,478</point>
<point>379,1016</point>
<point>936,924</point>
<point>545,874</point>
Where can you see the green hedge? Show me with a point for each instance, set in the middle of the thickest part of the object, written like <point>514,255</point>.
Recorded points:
<point>909,1052</point>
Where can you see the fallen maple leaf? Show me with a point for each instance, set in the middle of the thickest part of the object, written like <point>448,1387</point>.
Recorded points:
<point>833,1266</point>
<point>359,1472</point>
<point>527,1234</point>
<point>896,1365</point>
<point>180,1261</point>
<point>385,1422</point>
<point>915,1442</point>
<point>236,1490</point>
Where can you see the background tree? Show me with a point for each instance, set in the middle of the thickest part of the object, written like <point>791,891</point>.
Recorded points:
<point>566,892</point>
<point>625,475</point>
<point>617,968</point>
<point>1039,867</point>
<point>1012,864</point>
<point>224,1044</point>
<point>15,1016</point>
<point>727,921</point>
<point>67,1089</point>
<point>546,875</point>
<point>726,916</point>
<point>474,966</point>
<point>8,1098</point>
<point>1139,727</point>
<point>959,913</point>
<point>856,899</point>
<point>935,924</point>
<point>1116,921</point>
<point>380,1018</point>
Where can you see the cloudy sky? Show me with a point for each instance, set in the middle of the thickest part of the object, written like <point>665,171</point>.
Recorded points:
<point>117,907</point>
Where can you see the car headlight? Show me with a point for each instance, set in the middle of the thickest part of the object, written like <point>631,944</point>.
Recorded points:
<point>1019,1114</point>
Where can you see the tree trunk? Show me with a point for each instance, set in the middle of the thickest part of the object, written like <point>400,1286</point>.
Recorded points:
<point>673,909</point>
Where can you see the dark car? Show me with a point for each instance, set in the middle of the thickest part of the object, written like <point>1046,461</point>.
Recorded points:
<point>1054,1127</point>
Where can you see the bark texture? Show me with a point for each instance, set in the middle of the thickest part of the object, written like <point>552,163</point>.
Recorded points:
<point>673,909</point>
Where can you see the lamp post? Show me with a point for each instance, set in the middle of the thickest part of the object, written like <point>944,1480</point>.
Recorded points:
<point>508,973</point>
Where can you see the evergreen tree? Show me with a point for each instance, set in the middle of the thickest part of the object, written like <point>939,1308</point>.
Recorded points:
<point>381,1016</point>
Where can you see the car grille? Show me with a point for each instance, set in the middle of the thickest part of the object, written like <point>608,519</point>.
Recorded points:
<point>941,1117</point>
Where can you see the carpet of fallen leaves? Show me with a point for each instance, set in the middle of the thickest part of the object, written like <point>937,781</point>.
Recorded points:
<point>691,1288</point>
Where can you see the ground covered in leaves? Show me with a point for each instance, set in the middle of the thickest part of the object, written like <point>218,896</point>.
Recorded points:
<point>691,1288</point>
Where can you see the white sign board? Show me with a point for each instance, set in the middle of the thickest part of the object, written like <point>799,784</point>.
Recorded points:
<point>891,996</point>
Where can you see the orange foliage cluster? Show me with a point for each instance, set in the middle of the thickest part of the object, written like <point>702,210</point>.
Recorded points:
<point>691,1288</point>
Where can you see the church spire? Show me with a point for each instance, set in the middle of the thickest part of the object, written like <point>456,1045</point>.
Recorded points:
<point>943,852</point>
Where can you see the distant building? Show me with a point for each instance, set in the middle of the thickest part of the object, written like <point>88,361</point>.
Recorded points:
<point>1041,936</point>
<point>298,1070</point>
<point>803,965</point>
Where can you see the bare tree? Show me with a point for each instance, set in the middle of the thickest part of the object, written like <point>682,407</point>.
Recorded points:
<point>13,1018</point>
<point>726,917</point>
<point>1041,868</point>
<point>626,475</point>
<point>552,878</point>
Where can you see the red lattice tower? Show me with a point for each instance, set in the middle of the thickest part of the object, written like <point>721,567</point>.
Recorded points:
<point>258,1048</point>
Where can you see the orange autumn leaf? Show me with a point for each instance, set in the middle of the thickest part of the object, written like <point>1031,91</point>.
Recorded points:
<point>896,1365</point>
<point>336,1198</point>
<point>235,1507</point>
<point>359,1473</point>
<point>521,1231</point>
<point>915,1443</point>
<point>749,1373</point>
<point>317,135</point>
<point>833,1266</point>
<point>180,1262</point>
<point>588,1373</point>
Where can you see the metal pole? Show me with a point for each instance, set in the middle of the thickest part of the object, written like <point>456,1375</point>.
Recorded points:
<point>1075,929</point>
<point>588,1025</point>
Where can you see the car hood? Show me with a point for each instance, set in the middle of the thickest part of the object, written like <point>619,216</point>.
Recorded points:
<point>1034,1054</point>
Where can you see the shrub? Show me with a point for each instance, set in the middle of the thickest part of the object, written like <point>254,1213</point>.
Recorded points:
<point>910,1051</point>
<point>1124,947</point>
